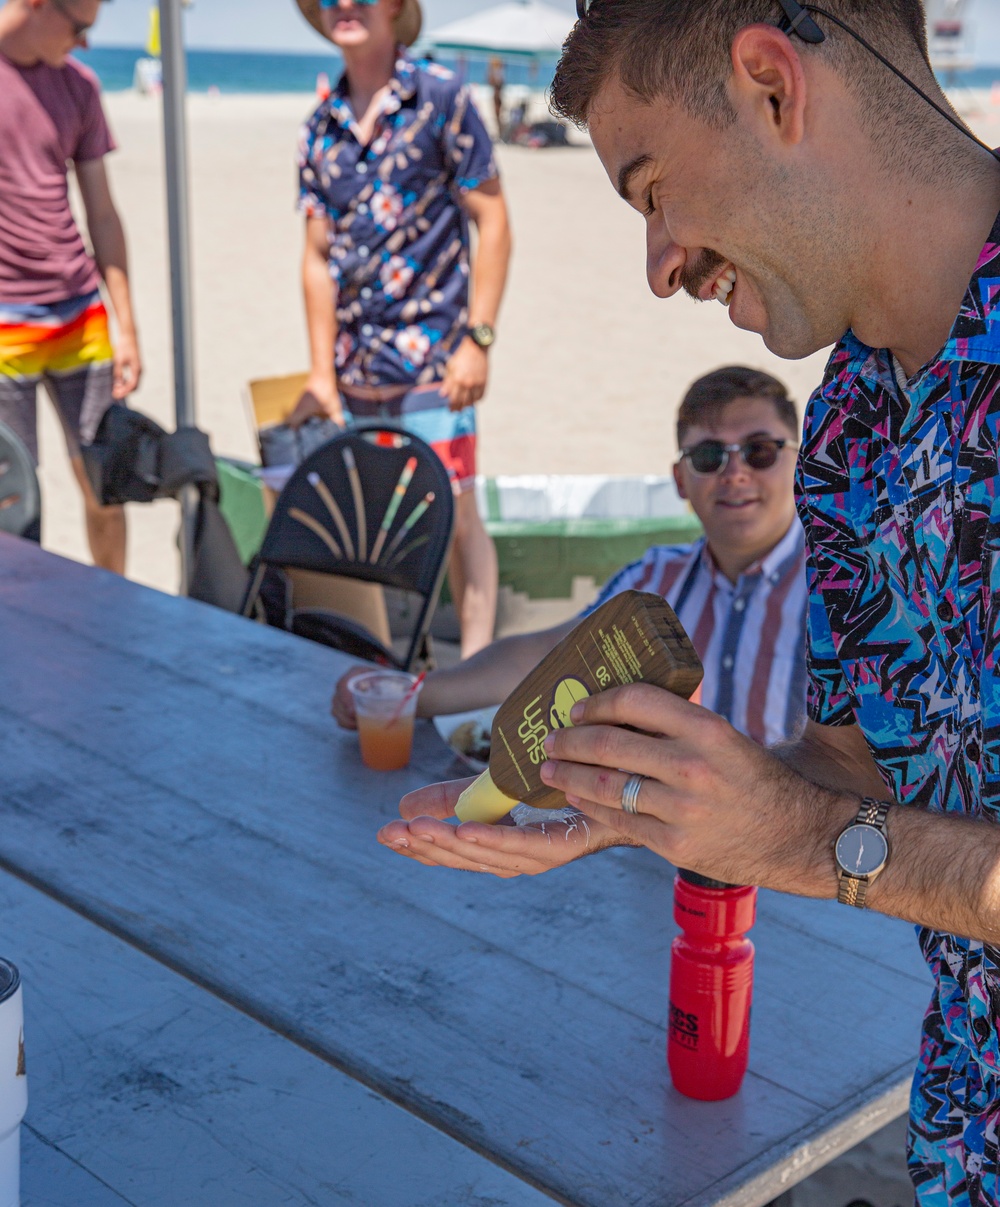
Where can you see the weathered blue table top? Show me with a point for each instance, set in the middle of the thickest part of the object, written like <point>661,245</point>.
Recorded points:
<point>170,773</point>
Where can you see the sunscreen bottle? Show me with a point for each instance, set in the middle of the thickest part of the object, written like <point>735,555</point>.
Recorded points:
<point>633,638</point>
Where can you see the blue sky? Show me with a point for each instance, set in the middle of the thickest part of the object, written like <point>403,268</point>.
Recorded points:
<point>255,24</point>
<point>277,25</point>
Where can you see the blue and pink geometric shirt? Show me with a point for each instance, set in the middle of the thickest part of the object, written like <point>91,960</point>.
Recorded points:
<point>398,236</point>
<point>899,493</point>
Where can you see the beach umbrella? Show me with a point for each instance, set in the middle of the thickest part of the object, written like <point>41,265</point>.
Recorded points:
<point>520,27</point>
<point>179,239</point>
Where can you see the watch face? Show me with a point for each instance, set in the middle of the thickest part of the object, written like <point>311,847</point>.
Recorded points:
<point>482,333</point>
<point>862,850</point>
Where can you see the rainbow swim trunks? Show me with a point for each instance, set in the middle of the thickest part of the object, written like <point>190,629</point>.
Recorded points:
<point>66,347</point>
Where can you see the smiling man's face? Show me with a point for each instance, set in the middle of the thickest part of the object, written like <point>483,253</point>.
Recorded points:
<point>725,221</point>
<point>745,512</point>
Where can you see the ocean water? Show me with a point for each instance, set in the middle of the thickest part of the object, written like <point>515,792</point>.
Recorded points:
<point>254,71</point>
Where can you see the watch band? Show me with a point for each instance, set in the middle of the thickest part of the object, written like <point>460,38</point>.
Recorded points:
<point>854,889</point>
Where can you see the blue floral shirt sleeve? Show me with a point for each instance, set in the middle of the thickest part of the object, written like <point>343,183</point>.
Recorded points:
<point>468,146</point>
<point>311,202</point>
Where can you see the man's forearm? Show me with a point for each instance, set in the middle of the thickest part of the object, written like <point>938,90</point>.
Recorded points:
<point>943,871</point>
<point>489,266</point>
<point>838,767</point>
<point>110,253</point>
<point>487,677</point>
<point>321,315</point>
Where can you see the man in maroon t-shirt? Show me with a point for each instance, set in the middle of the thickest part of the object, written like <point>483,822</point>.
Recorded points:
<point>53,324</point>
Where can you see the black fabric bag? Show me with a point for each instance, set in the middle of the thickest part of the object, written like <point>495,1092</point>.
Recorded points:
<point>133,460</point>
<point>284,445</point>
<point>122,463</point>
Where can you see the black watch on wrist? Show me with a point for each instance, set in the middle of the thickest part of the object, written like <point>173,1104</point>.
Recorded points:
<point>481,334</point>
<point>862,851</point>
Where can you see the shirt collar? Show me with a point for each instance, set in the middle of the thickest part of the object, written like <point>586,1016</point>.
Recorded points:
<point>402,87</point>
<point>773,566</point>
<point>857,375</point>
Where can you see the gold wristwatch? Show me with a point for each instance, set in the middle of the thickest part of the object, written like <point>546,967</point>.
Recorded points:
<point>862,851</point>
<point>481,334</point>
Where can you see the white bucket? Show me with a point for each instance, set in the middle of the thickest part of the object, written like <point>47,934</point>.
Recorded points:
<point>13,1084</point>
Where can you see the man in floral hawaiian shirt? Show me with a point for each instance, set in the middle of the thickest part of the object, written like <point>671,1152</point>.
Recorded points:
<point>392,166</point>
<point>785,172</point>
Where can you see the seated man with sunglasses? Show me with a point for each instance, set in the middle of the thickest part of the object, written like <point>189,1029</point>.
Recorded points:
<point>739,591</point>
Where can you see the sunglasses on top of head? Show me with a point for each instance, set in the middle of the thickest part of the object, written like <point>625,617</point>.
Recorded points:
<point>709,457</point>
<point>336,3</point>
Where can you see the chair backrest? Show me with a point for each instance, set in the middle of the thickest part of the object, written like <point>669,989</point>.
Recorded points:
<point>374,503</point>
<point>20,497</point>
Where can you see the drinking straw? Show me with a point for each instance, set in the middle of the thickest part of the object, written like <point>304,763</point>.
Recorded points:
<point>394,502</point>
<point>411,519</point>
<point>321,488</point>
<point>315,526</point>
<point>407,696</point>
<point>359,502</point>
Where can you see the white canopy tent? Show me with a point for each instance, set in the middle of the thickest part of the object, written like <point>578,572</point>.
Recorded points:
<point>519,27</point>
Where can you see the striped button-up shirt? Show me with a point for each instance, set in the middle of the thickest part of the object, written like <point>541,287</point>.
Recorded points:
<point>750,635</point>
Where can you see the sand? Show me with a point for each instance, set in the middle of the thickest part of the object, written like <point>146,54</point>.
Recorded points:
<point>587,369</point>
<point>588,365</point>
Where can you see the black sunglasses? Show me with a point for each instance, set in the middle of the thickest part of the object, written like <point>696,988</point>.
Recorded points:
<point>712,456</point>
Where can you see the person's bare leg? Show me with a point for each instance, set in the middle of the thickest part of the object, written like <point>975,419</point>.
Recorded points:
<point>105,525</point>
<point>473,575</point>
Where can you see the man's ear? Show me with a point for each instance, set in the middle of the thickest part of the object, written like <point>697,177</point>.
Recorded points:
<point>768,84</point>
<point>679,481</point>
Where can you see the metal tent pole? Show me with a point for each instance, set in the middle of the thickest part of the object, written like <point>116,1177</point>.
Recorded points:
<point>178,228</point>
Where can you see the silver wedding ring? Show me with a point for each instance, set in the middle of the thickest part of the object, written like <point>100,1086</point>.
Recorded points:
<point>630,793</point>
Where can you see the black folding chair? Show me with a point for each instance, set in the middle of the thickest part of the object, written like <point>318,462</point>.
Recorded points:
<point>20,498</point>
<point>376,504</point>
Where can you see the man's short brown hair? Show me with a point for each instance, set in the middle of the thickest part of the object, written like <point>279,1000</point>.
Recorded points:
<point>679,50</point>
<point>709,396</point>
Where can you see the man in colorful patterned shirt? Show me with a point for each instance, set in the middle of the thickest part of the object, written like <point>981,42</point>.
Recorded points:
<point>53,324</point>
<point>392,166</point>
<point>740,590</point>
<point>786,172</point>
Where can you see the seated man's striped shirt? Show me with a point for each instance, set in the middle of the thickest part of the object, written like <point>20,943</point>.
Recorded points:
<point>750,635</point>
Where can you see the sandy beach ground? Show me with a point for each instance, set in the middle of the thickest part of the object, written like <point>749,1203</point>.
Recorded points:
<point>587,370</point>
<point>588,365</point>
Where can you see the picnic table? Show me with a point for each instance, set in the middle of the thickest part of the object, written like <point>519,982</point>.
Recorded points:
<point>234,995</point>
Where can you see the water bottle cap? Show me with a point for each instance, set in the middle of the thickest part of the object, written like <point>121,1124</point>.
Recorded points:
<point>704,881</point>
<point>10,979</point>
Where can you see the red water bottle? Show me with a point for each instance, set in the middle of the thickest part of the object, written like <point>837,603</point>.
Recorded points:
<point>711,985</point>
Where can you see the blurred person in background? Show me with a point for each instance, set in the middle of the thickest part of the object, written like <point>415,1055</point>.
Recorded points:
<point>53,324</point>
<point>392,166</point>
<point>496,79</point>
